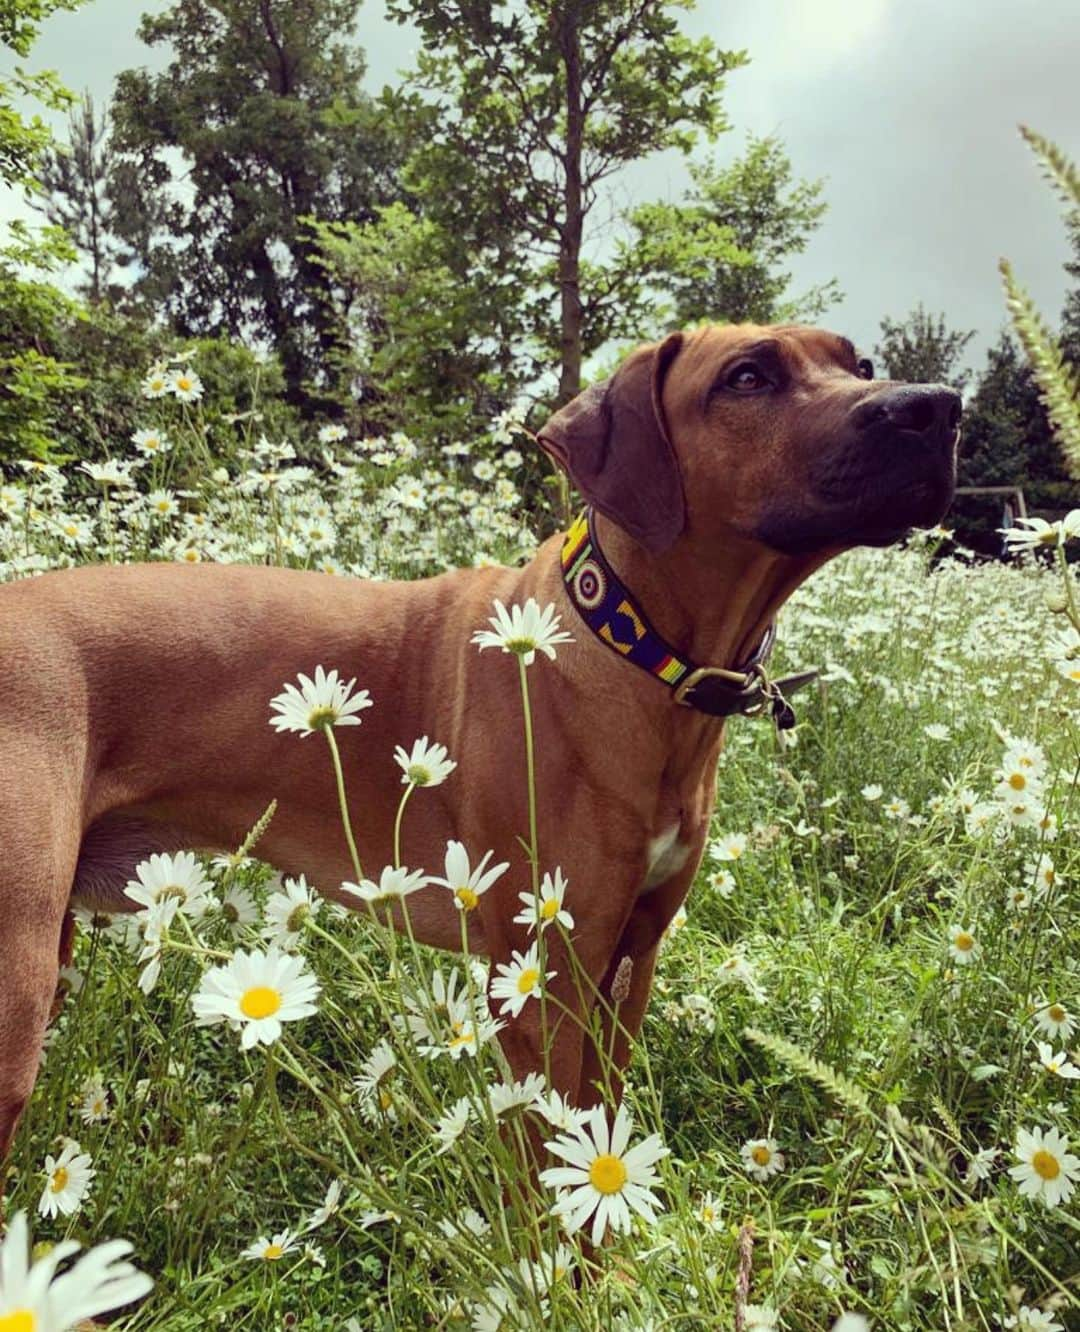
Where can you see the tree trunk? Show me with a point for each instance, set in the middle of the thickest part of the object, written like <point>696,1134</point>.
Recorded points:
<point>570,232</point>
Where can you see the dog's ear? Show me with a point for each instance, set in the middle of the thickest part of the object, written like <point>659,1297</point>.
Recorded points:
<point>613,441</point>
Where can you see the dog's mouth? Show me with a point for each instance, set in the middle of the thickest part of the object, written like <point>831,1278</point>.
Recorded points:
<point>867,497</point>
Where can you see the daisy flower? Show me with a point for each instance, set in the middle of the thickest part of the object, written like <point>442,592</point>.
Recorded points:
<point>452,1124</point>
<point>1036,532</point>
<point>374,1097</point>
<point>872,792</point>
<point>936,731</point>
<point>542,1275</point>
<point>761,1318</point>
<point>1056,1063</point>
<point>331,434</point>
<point>523,631</point>
<point>1027,1319</point>
<point>288,911</point>
<point>467,884</point>
<point>185,385</point>
<point>331,1205</point>
<point>150,442</point>
<point>469,1221</point>
<point>963,946</point>
<point>708,1213</point>
<point>393,885</point>
<point>851,1322</point>
<point>425,765</point>
<point>603,1179</point>
<point>156,382</point>
<point>108,473</point>
<point>271,1250</point>
<point>67,1180</point>
<point>728,846</point>
<point>155,921</point>
<point>559,1113</point>
<point>162,503</point>
<point>980,1165</point>
<point>239,908</point>
<point>508,1096</point>
<point>760,1158</point>
<point>518,981</point>
<point>318,704</point>
<point>722,882</point>
<point>164,876</point>
<point>34,1299</point>
<point>1046,1168</point>
<point>539,914</point>
<point>95,1101</point>
<point>1055,1020</point>
<point>255,993</point>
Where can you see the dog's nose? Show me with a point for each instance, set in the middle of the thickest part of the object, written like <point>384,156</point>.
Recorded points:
<point>922,409</point>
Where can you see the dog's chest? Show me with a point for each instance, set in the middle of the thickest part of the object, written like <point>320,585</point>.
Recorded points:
<point>667,854</point>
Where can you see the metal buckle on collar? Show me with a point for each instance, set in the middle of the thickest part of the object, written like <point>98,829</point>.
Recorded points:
<point>747,682</point>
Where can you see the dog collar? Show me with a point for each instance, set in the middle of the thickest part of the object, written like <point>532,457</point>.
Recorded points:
<point>612,613</point>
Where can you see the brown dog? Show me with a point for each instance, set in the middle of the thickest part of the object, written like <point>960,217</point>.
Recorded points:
<point>724,465</point>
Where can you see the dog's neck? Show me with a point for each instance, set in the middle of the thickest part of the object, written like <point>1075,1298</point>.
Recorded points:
<point>714,607</point>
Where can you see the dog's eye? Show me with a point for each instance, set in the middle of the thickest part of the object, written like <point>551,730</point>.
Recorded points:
<point>865,368</point>
<point>746,378</point>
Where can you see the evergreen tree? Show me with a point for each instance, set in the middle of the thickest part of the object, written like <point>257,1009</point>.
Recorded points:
<point>922,349</point>
<point>75,182</point>
<point>263,100</point>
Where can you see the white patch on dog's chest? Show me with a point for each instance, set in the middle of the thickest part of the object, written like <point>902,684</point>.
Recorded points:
<point>667,855</point>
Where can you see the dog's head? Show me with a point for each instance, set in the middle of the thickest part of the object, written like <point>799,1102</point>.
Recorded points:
<point>778,434</point>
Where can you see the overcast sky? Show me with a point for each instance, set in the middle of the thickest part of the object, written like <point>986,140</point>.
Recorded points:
<point>908,108</point>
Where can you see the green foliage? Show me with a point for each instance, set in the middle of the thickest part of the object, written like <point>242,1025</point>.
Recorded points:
<point>265,105</point>
<point>22,141</point>
<point>34,372</point>
<point>717,255</point>
<point>415,338</point>
<point>518,115</point>
<point>923,350</point>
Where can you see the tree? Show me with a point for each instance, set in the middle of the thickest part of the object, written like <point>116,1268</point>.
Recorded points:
<point>31,374</point>
<point>78,184</point>
<point>525,110</point>
<point>921,349</point>
<point>717,255</point>
<point>263,100</point>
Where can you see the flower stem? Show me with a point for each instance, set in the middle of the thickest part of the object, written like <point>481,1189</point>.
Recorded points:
<point>534,862</point>
<point>343,804</point>
<point>397,823</point>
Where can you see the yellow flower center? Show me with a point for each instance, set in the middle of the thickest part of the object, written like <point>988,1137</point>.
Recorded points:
<point>192,556</point>
<point>550,909</point>
<point>273,1252</point>
<point>1056,1013</point>
<point>183,385</point>
<point>461,1037</point>
<point>162,506</point>
<point>71,530</point>
<point>59,1180</point>
<point>1046,1164</point>
<point>466,897</point>
<point>386,1101</point>
<point>1017,781</point>
<point>708,1214</point>
<point>527,980</point>
<point>964,942</point>
<point>19,1320</point>
<point>260,1002</point>
<point>320,718</point>
<point>761,1156</point>
<point>607,1174</point>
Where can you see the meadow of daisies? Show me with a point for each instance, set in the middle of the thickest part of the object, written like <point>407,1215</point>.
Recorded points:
<point>855,1104</point>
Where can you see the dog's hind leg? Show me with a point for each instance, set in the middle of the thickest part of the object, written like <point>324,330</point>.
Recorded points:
<point>39,844</point>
